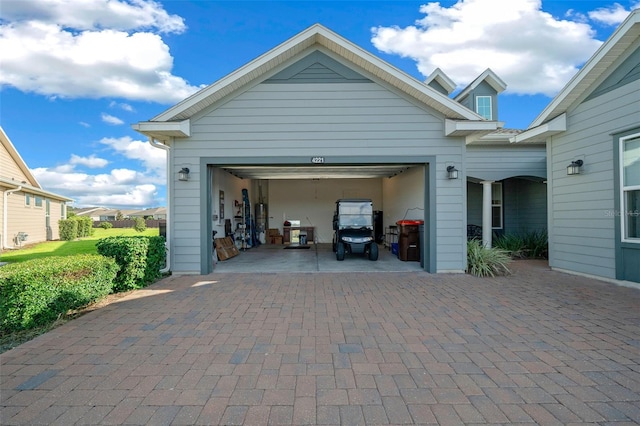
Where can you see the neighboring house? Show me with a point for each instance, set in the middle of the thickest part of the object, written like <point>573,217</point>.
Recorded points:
<point>319,118</point>
<point>95,213</point>
<point>100,214</point>
<point>152,213</point>
<point>28,213</point>
<point>592,132</point>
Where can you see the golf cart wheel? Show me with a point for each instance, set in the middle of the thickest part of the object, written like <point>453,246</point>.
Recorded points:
<point>373,251</point>
<point>340,249</point>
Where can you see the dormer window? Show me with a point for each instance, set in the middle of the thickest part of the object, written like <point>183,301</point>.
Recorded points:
<point>483,106</point>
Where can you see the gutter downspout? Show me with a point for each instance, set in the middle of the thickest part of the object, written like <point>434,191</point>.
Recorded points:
<point>5,219</point>
<point>164,147</point>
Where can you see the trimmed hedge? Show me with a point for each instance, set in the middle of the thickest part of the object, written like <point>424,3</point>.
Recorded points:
<point>140,259</point>
<point>36,292</point>
<point>75,227</point>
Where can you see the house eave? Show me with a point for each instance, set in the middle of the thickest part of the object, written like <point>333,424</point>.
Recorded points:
<point>13,184</point>
<point>541,133</point>
<point>164,130</point>
<point>595,68</point>
<point>470,129</point>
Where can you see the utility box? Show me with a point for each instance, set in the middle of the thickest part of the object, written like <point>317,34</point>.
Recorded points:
<point>409,240</point>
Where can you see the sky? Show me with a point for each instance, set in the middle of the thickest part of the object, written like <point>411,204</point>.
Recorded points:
<point>76,74</point>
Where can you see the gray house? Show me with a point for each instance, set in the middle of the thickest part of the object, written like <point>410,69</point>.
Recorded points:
<point>317,118</point>
<point>592,132</point>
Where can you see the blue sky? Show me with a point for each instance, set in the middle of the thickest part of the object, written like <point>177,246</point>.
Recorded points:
<point>75,75</point>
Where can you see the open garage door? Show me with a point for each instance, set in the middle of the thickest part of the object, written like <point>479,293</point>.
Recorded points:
<point>294,191</point>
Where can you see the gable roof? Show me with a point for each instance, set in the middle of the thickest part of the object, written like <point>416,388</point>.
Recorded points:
<point>173,121</point>
<point>31,185</point>
<point>596,68</point>
<point>552,119</point>
<point>442,79</point>
<point>490,77</point>
<point>17,159</point>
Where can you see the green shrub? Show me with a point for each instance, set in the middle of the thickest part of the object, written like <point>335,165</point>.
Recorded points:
<point>511,243</point>
<point>68,229</point>
<point>106,225</point>
<point>537,243</point>
<point>526,245</point>
<point>139,258</point>
<point>37,292</point>
<point>140,225</point>
<point>483,261</point>
<point>85,226</point>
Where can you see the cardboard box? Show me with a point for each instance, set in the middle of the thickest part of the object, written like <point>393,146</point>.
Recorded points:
<point>274,232</point>
<point>276,239</point>
<point>225,248</point>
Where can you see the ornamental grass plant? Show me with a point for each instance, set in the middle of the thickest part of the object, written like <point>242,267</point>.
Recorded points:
<point>483,261</point>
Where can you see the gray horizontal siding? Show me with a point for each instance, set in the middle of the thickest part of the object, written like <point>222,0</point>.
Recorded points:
<point>499,162</point>
<point>356,120</point>
<point>582,228</point>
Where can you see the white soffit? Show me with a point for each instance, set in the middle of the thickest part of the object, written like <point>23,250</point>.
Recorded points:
<point>164,130</point>
<point>467,128</point>
<point>541,133</point>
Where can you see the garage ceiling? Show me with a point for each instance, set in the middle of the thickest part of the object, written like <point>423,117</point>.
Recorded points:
<point>317,171</point>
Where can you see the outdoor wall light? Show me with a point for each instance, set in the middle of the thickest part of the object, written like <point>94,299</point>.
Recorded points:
<point>183,174</point>
<point>452,172</point>
<point>574,167</point>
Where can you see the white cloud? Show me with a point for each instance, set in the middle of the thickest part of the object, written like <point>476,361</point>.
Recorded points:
<point>101,48</point>
<point>91,161</point>
<point>119,187</point>
<point>84,124</point>
<point>123,106</point>
<point>96,14</point>
<point>533,52</point>
<point>110,119</point>
<point>153,159</point>
<point>612,15</point>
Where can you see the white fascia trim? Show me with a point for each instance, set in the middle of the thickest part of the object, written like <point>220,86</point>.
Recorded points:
<point>442,79</point>
<point>316,34</point>
<point>542,132</point>
<point>169,128</point>
<point>453,126</point>
<point>590,66</point>
<point>492,79</point>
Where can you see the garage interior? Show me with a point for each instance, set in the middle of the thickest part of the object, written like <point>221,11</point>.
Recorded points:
<point>305,197</point>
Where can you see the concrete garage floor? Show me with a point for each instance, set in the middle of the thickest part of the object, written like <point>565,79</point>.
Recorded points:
<point>317,258</point>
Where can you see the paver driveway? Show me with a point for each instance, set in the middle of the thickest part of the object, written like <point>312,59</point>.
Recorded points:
<point>339,348</point>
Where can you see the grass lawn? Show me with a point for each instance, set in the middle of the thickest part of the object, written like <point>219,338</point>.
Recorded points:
<point>86,245</point>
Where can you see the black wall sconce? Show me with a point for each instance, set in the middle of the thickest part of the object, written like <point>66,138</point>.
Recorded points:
<point>452,172</point>
<point>574,167</point>
<point>183,174</point>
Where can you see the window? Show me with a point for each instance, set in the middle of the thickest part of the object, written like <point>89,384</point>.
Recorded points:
<point>496,205</point>
<point>63,210</point>
<point>630,187</point>
<point>27,199</point>
<point>38,201</point>
<point>483,106</point>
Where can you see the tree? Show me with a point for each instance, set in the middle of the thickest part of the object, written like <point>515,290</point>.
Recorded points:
<point>140,225</point>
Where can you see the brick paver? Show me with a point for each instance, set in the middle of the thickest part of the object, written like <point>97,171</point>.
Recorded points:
<point>339,348</point>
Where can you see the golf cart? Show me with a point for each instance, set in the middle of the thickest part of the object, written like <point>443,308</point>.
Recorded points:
<point>353,228</point>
